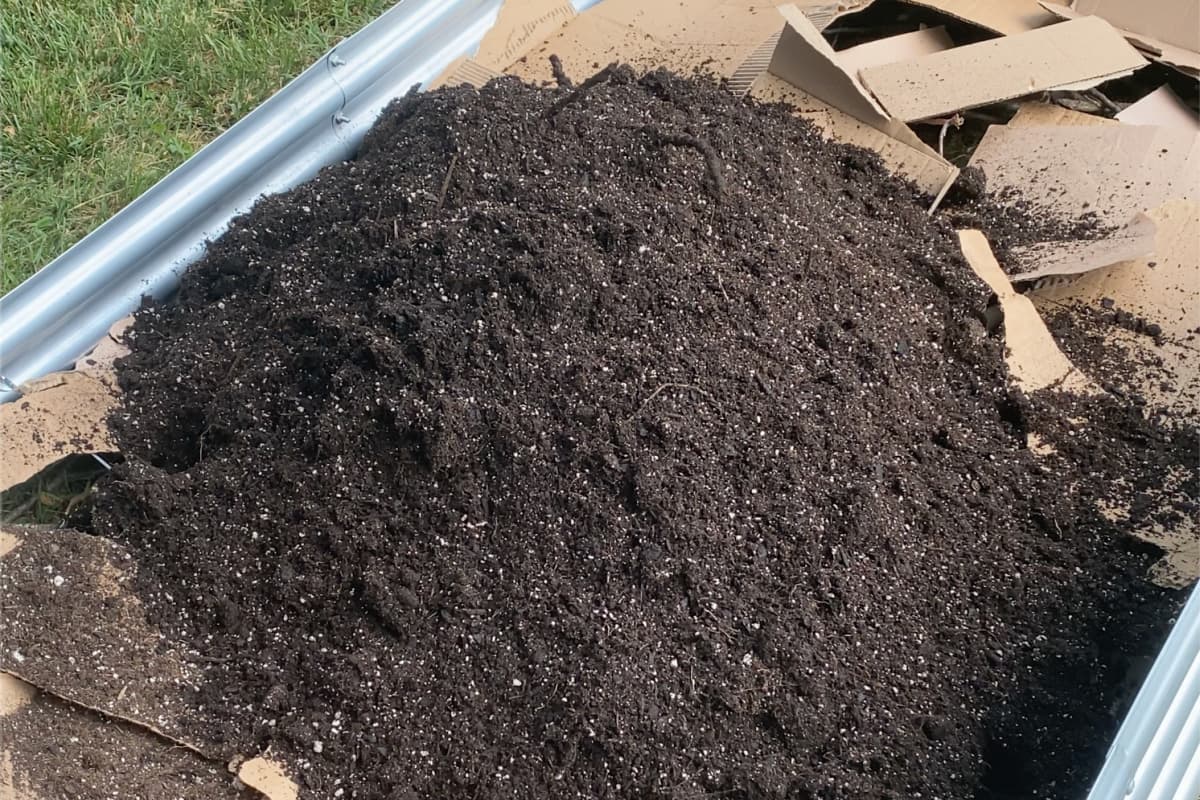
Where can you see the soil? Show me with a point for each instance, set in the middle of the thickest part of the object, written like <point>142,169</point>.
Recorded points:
<point>627,440</point>
<point>57,749</point>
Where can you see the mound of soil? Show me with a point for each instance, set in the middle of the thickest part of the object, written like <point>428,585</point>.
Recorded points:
<point>622,441</point>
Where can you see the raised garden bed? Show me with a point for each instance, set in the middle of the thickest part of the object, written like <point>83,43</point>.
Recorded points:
<point>627,440</point>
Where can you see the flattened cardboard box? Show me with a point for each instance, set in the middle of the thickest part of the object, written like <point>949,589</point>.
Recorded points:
<point>1166,30</point>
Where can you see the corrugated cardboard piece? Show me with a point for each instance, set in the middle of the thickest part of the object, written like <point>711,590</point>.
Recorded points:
<point>75,630</point>
<point>1135,240</point>
<point>1005,17</point>
<point>1112,171</point>
<point>1163,108</point>
<point>1000,16</point>
<point>716,35</point>
<point>806,72</point>
<point>45,744</point>
<point>1033,358</point>
<point>63,413</point>
<point>1166,30</point>
<point>1077,54</point>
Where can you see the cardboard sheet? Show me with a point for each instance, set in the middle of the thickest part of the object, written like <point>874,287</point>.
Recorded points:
<point>1166,30</point>
<point>894,48</point>
<point>51,749</point>
<point>1161,107</point>
<point>1034,359</point>
<point>805,61</point>
<point>1079,53</point>
<point>1113,171</point>
<point>521,25</point>
<point>716,35</point>
<point>1000,16</point>
<point>1032,113</point>
<point>63,413</point>
<point>74,629</point>
<point>1135,240</point>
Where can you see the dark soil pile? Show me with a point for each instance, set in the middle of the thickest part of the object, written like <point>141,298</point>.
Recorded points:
<point>624,442</point>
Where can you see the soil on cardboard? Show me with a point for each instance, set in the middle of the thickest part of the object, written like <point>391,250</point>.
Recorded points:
<point>529,455</point>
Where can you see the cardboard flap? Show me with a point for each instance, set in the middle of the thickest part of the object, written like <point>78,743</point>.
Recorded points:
<point>464,70</point>
<point>75,629</point>
<point>51,749</point>
<point>1112,171</point>
<point>1135,240</point>
<point>894,48</point>
<point>804,59</point>
<point>1079,53</point>
<point>1000,16</point>
<point>1184,58</point>
<point>806,62</point>
<point>62,414</point>
<point>926,169</point>
<point>1033,358</point>
<point>1163,108</point>
<point>268,778</point>
<point>1164,288</point>
<point>1175,22</point>
<point>1032,113</point>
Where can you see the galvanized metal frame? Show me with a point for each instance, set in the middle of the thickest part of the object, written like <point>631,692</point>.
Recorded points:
<point>320,118</point>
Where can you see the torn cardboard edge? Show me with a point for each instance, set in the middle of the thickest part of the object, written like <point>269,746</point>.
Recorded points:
<point>806,61</point>
<point>1112,171</point>
<point>63,413</point>
<point>1076,54</point>
<point>271,777</point>
<point>1053,259</point>
<point>1162,108</point>
<point>1168,31</point>
<point>1004,17</point>
<point>1033,357</point>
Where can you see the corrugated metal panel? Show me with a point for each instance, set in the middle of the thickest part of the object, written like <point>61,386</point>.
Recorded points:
<point>1156,754</point>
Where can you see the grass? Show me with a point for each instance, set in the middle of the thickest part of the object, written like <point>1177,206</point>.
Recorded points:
<point>101,98</point>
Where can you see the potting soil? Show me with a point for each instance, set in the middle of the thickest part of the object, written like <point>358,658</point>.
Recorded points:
<point>627,440</point>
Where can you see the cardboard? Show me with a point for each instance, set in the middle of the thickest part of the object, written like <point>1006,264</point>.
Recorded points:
<point>1113,171</point>
<point>894,48</point>
<point>44,741</point>
<point>59,415</point>
<point>1075,54</point>
<point>74,630</point>
<point>1166,30</point>
<point>521,25</point>
<point>1005,17</point>
<point>63,413</point>
<point>1162,108</point>
<point>1032,113</point>
<point>1034,359</point>
<point>715,35</point>
<point>804,61</point>
<point>1135,240</point>
<point>268,778</point>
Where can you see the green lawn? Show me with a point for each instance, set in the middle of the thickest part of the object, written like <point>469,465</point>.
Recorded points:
<point>101,98</point>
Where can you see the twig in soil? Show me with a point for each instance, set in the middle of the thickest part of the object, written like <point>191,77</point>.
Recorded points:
<point>659,391</point>
<point>446,182</point>
<point>577,94</point>
<point>712,162</point>
<point>560,74</point>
